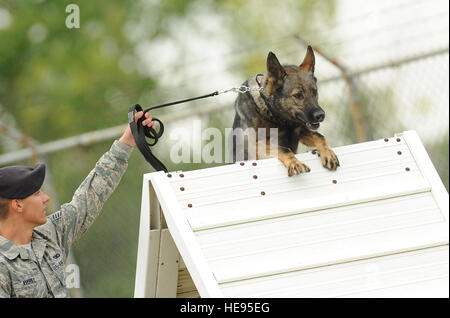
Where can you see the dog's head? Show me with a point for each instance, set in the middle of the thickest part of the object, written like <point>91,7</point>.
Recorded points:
<point>292,91</point>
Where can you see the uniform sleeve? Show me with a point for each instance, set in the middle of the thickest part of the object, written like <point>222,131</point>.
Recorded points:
<point>5,282</point>
<point>76,217</point>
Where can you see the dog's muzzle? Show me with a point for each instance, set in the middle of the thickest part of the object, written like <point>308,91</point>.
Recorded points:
<point>315,117</point>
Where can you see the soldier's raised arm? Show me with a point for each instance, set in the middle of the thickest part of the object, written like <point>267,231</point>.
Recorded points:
<point>75,217</point>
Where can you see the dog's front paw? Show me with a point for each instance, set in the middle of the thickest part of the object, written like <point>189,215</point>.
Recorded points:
<point>295,166</point>
<point>329,159</point>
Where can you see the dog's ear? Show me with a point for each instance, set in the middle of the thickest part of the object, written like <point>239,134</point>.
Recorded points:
<point>309,61</point>
<point>276,73</point>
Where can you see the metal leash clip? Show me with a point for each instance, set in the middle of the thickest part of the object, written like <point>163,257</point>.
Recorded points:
<point>242,89</point>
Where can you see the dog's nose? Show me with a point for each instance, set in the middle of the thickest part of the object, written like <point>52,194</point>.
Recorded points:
<point>318,115</point>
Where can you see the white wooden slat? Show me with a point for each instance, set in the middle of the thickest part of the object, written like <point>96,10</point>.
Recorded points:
<point>224,171</point>
<point>228,198</point>
<point>184,238</point>
<point>236,177</point>
<point>254,206</point>
<point>168,267</point>
<point>420,273</point>
<point>323,237</point>
<point>428,170</point>
<point>433,287</point>
<point>276,178</point>
<point>148,250</point>
<point>186,287</point>
<point>147,265</point>
<point>227,241</point>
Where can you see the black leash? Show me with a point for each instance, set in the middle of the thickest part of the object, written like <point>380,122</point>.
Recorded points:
<point>141,132</point>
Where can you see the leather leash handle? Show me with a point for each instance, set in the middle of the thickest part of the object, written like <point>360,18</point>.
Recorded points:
<point>140,132</point>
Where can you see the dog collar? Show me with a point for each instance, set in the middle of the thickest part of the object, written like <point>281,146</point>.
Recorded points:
<point>270,115</point>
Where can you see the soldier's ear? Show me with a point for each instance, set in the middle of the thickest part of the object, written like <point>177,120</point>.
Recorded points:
<point>309,61</point>
<point>275,72</point>
<point>16,205</point>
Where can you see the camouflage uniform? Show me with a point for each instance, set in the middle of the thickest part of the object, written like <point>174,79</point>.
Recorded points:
<point>42,273</point>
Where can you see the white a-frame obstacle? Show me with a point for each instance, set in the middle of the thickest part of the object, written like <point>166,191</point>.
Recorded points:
<point>376,227</point>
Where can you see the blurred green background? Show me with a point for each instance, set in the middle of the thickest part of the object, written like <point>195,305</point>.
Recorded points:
<point>57,82</point>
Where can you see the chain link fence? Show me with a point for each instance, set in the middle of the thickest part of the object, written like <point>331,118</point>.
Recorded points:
<point>407,94</point>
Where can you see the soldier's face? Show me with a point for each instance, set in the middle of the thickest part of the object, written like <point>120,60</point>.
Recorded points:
<point>33,208</point>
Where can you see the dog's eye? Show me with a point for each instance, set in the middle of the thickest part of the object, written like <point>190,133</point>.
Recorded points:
<point>299,95</point>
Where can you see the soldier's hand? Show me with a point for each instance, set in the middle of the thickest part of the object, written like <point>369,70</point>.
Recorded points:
<point>127,137</point>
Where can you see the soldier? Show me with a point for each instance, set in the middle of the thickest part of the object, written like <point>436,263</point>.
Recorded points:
<point>34,247</point>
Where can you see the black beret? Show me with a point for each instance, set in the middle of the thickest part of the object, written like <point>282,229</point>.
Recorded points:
<point>18,182</point>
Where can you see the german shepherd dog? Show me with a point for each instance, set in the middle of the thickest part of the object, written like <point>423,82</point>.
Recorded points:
<point>287,100</point>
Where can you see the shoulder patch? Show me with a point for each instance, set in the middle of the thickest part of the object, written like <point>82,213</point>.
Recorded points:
<point>55,215</point>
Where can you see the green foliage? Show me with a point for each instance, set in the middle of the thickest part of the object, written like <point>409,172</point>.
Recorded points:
<point>59,83</point>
